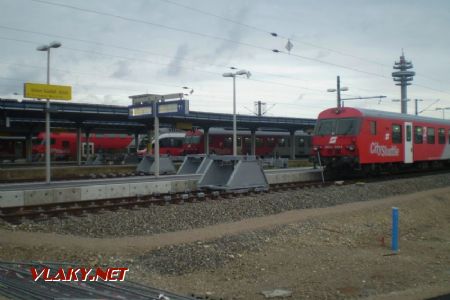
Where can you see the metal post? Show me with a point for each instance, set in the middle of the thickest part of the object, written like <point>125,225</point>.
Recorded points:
<point>338,92</point>
<point>47,127</point>
<point>206,139</point>
<point>79,146</point>
<point>416,106</point>
<point>136,141</point>
<point>29,148</point>
<point>394,229</point>
<point>234,118</point>
<point>156,128</point>
<point>292,140</point>
<point>86,141</point>
<point>253,142</point>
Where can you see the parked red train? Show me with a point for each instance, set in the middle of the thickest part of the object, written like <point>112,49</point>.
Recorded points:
<point>63,145</point>
<point>268,143</point>
<point>370,140</point>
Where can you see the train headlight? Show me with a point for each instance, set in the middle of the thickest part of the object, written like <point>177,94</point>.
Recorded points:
<point>351,147</point>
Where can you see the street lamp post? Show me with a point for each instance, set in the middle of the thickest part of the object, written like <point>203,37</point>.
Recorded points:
<point>338,89</point>
<point>47,110</point>
<point>233,75</point>
<point>443,109</point>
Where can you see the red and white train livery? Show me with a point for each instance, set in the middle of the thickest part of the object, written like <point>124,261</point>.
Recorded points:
<point>371,140</point>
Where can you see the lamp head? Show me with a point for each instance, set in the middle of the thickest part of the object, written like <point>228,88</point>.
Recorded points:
<point>228,74</point>
<point>331,90</point>
<point>42,48</point>
<point>54,44</point>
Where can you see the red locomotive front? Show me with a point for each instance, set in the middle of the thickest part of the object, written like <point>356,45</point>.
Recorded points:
<point>370,140</point>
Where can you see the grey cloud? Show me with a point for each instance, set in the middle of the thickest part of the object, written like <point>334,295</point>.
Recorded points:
<point>175,66</point>
<point>122,70</point>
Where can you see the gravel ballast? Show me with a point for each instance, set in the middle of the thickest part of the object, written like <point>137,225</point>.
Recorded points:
<point>159,219</point>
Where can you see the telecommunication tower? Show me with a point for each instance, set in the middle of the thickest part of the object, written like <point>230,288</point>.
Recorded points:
<point>403,77</point>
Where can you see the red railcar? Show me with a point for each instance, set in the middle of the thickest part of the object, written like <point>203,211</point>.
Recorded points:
<point>268,143</point>
<point>373,140</point>
<point>170,143</point>
<point>63,145</point>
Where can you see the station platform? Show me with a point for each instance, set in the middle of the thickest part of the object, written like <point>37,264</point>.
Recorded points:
<point>37,193</point>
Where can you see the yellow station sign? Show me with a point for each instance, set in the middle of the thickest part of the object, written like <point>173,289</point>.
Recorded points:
<point>47,91</point>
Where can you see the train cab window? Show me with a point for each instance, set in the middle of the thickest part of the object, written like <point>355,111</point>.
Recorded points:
<point>396,134</point>
<point>347,127</point>
<point>325,127</point>
<point>441,136</point>
<point>65,144</point>
<point>195,139</point>
<point>430,135</point>
<point>418,135</point>
<point>373,127</point>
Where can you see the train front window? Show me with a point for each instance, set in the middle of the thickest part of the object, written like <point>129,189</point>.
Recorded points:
<point>325,127</point>
<point>195,139</point>
<point>346,126</point>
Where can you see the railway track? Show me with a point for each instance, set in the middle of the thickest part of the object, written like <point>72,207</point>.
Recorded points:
<point>17,215</point>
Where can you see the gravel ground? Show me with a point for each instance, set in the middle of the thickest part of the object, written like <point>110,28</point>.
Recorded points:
<point>209,255</point>
<point>158,219</point>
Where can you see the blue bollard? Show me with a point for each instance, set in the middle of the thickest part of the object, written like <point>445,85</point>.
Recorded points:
<point>394,229</point>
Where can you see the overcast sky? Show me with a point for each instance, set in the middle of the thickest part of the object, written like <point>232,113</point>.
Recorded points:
<point>116,48</point>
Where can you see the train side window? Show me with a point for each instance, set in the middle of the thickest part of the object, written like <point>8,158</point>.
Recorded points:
<point>258,142</point>
<point>238,141</point>
<point>99,135</point>
<point>282,142</point>
<point>301,142</point>
<point>396,134</point>
<point>373,127</point>
<point>418,135</point>
<point>430,135</point>
<point>65,144</point>
<point>441,136</point>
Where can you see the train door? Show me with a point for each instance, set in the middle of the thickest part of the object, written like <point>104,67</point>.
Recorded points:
<point>408,143</point>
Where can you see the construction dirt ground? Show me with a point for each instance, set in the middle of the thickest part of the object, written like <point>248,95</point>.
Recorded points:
<point>319,253</point>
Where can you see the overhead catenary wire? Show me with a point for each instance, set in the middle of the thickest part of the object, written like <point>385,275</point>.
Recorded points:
<point>92,11</point>
<point>220,38</point>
